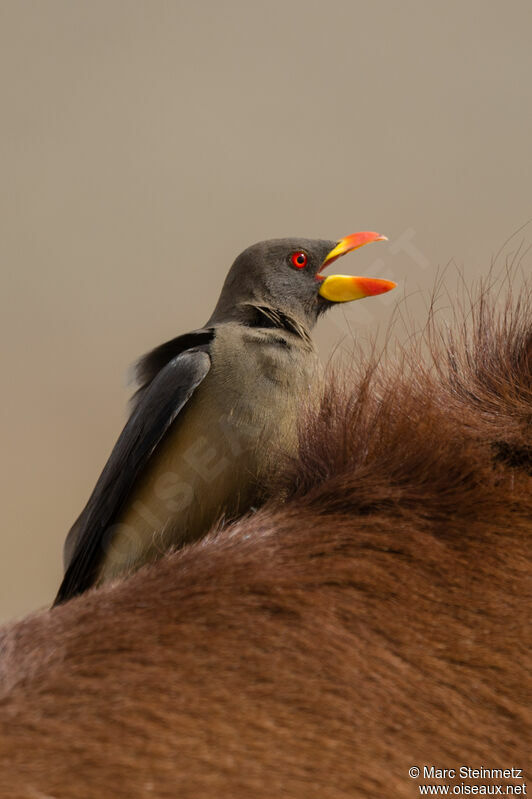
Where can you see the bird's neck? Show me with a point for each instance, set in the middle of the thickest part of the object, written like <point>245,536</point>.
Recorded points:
<point>266,316</point>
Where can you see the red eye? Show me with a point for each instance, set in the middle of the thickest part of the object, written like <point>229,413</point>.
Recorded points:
<point>299,259</point>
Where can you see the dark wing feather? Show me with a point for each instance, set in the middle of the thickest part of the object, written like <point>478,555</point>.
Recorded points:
<point>158,406</point>
<point>152,362</point>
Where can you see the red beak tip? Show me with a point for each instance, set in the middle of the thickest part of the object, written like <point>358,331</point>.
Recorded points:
<point>385,285</point>
<point>375,286</point>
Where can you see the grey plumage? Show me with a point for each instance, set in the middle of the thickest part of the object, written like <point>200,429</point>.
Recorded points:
<point>214,410</point>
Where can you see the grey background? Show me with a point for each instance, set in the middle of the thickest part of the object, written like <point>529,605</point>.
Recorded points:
<point>145,144</point>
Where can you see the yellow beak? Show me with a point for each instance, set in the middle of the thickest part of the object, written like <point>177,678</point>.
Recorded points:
<point>344,288</point>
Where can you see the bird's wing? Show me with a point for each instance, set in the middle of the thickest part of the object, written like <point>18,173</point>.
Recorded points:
<point>149,366</point>
<point>158,406</point>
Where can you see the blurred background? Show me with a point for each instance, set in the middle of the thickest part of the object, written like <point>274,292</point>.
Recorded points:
<point>145,144</point>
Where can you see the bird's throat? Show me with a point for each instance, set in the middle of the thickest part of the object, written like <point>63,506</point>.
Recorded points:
<point>264,316</point>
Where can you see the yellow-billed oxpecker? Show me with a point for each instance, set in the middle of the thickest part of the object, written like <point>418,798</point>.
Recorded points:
<point>214,410</point>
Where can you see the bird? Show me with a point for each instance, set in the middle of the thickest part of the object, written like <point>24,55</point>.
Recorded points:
<point>214,411</point>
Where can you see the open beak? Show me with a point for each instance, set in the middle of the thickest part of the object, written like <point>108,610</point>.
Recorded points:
<point>344,288</point>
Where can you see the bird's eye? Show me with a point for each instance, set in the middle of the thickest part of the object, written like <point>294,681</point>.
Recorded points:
<point>299,259</point>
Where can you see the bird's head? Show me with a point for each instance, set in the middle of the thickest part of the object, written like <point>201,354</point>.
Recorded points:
<point>286,276</point>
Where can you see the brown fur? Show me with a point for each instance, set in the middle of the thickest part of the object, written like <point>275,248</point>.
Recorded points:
<point>380,618</point>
